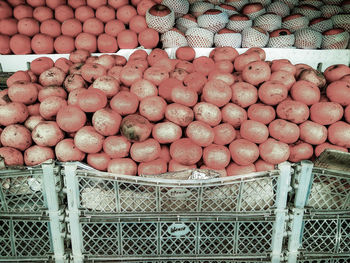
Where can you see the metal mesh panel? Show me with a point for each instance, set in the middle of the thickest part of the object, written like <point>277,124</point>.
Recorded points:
<point>24,238</point>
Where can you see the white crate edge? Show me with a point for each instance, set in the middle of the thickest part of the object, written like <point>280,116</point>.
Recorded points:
<point>12,63</point>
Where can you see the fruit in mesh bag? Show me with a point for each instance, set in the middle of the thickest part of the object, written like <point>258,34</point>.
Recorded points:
<point>290,3</point>
<point>228,9</point>
<point>160,18</point>
<point>342,21</point>
<point>185,22</point>
<point>199,37</point>
<point>239,22</point>
<point>321,24</point>
<point>278,8</point>
<point>336,38</point>
<point>309,11</point>
<point>237,3</point>
<point>332,2</point>
<point>173,38</point>
<point>180,7</point>
<point>330,10</point>
<point>213,20</point>
<point>253,10</point>
<point>346,6</point>
<point>294,22</point>
<point>199,8</point>
<point>254,37</point>
<point>308,39</point>
<point>315,3</point>
<point>281,38</point>
<point>228,38</point>
<point>268,22</point>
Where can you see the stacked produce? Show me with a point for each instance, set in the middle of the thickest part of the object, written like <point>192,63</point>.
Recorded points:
<point>151,114</point>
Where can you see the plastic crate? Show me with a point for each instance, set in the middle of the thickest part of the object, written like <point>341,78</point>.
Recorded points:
<point>29,189</point>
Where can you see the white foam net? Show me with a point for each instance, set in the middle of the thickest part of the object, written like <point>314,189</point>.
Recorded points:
<point>342,21</point>
<point>215,2</point>
<point>238,4</point>
<point>346,8</point>
<point>180,7</point>
<point>330,10</point>
<point>268,22</point>
<point>290,3</point>
<point>263,2</point>
<point>338,41</point>
<point>183,24</point>
<point>310,14</point>
<point>314,3</point>
<point>279,8</point>
<point>199,37</point>
<point>160,23</point>
<point>296,23</point>
<point>332,2</point>
<point>194,1</point>
<point>322,26</point>
<point>173,39</point>
<point>228,40</point>
<point>239,25</point>
<point>199,8</point>
<point>229,12</point>
<point>213,22</point>
<point>307,38</point>
<point>253,38</point>
<point>286,41</point>
<point>254,15</point>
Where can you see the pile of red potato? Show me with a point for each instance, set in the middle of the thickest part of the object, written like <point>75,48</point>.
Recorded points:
<point>234,113</point>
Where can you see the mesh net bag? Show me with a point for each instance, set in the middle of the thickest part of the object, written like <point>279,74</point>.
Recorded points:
<point>314,3</point>
<point>286,41</point>
<point>194,1</point>
<point>278,8</point>
<point>160,23</point>
<point>310,14</point>
<point>307,38</point>
<point>346,8</point>
<point>254,15</point>
<point>263,2</point>
<point>215,2</point>
<point>183,24</point>
<point>296,23</point>
<point>180,7</point>
<point>238,26</point>
<point>229,12</point>
<point>322,26</point>
<point>228,40</point>
<point>199,8</point>
<point>238,4</point>
<point>290,3</point>
<point>330,10</point>
<point>268,22</point>
<point>199,37</point>
<point>173,39</point>
<point>253,38</point>
<point>338,41</point>
<point>213,22</point>
<point>332,2</point>
<point>342,21</point>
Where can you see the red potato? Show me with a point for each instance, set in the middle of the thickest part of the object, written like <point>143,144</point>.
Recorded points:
<point>244,59</point>
<point>216,156</point>
<point>20,75</point>
<point>71,27</point>
<point>313,133</point>
<point>244,152</point>
<point>124,102</point>
<point>74,96</point>
<point>33,77</point>
<point>138,63</point>
<point>207,113</point>
<point>122,166</point>
<point>235,169</point>
<point>261,113</point>
<point>347,114</point>
<point>50,106</point>
<point>166,132</point>
<point>166,64</point>
<point>185,151</point>
<point>39,65</point>
<point>200,133</point>
<point>256,72</point>
<point>326,113</point>
<point>294,111</point>
<point>20,44</point>
<point>138,24</point>
<point>154,167</point>
<point>336,72</point>
<point>244,94</point>
<point>36,155</point>
<point>262,166</point>
<point>165,153</point>
<point>145,151</point>
<point>143,88</point>
<point>13,112</point>
<point>75,68</point>
<point>300,151</point>
<point>195,81</point>
<point>4,98</point>
<point>203,65</point>
<point>224,66</point>
<point>179,114</point>
<point>106,121</point>
<point>339,91</point>
<point>254,131</point>
<point>178,73</point>
<point>257,50</point>
<point>12,156</point>
<point>284,77</point>
<point>153,108</point>
<point>326,145</point>
<point>74,81</point>
<point>166,86</point>
<point>225,53</point>
<point>314,76</point>
<point>135,128</point>
<point>185,65</point>
<point>306,92</point>
<point>175,166</point>
<point>66,151</point>
<point>233,114</point>
<point>79,56</point>
<point>272,92</point>
<point>185,53</point>
<point>217,92</point>
<point>339,134</point>
<point>92,100</point>
<point>32,121</point>
<point>16,136</point>
<point>284,131</point>
<point>183,95</point>
<point>98,161</point>
<point>88,140</point>
<point>228,78</point>
<point>283,64</point>
<point>52,77</point>
<point>116,146</point>
<point>108,84</point>
<point>23,91</point>
<point>155,75</point>
<point>92,71</point>
<point>273,151</point>
<point>108,61</point>
<point>115,72</point>
<point>156,55</point>
<point>129,75</point>
<point>47,133</point>
<point>224,134</point>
